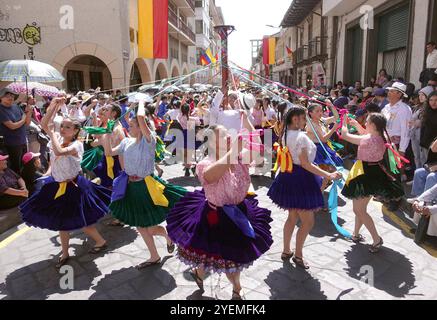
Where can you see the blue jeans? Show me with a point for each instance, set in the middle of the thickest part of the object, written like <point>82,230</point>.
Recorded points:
<point>423,181</point>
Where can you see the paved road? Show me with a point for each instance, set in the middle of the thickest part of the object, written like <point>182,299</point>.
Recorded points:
<point>402,270</point>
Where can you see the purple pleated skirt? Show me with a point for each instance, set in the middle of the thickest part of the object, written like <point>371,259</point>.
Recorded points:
<point>208,238</point>
<point>299,190</point>
<point>82,205</point>
<point>101,171</point>
<point>322,157</point>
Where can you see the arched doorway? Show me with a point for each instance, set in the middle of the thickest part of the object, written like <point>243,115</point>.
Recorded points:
<point>175,72</point>
<point>139,75</point>
<point>85,72</point>
<point>161,72</point>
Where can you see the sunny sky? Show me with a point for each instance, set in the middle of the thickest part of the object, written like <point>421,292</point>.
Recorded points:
<point>250,18</point>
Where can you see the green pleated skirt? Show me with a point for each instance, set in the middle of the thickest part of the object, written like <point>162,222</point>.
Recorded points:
<point>137,209</point>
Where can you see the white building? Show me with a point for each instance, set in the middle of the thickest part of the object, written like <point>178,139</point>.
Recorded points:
<point>207,16</point>
<point>95,44</point>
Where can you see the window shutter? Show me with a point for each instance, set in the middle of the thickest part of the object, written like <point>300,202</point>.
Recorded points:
<point>393,33</point>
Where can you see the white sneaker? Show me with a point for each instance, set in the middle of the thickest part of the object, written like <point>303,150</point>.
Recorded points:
<point>409,183</point>
<point>411,200</point>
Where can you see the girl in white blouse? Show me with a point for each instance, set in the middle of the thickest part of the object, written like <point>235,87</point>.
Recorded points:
<point>297,186</point>
<point>67,201</point>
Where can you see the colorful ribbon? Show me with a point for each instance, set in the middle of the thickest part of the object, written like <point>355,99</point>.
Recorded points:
<point>110,167</point>
<point>333,208</point>
<point>156,191</point>
<point>284,160</point>
<point>398,158</point>
<point>61,190</point>
<point>356,171</point>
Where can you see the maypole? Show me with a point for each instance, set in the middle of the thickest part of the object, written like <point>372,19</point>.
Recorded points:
<point>224,32</point>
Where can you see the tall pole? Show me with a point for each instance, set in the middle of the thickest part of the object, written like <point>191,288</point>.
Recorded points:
<point>224,32</point>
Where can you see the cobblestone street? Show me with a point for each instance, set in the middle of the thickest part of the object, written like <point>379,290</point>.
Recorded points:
<point>402,270</point>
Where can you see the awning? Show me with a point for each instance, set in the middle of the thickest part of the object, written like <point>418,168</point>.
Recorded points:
<point>298,11</point>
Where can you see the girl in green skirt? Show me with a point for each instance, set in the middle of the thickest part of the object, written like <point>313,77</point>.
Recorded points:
<point>139,198</point>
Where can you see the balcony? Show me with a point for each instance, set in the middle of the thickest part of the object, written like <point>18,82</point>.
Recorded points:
<point>317,47</point>
<point>301,55</point>
<point>180,29</point>
<point>187,7</point>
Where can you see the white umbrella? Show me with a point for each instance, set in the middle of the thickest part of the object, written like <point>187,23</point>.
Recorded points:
<point>135,97</point>
<point>28,70</point>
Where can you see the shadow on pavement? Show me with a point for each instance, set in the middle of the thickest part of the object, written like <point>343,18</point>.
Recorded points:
<point>116,238</point>
<point>259,182</point>
<point>40,280</point>
<point>132,284</point>
<point>292,283</point>
<point>185,181</point>
<point>392,271</point>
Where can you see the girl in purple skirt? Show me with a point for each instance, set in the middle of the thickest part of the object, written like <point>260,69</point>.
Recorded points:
<point>297,187</point>
<point>220,228</point>
<point>67,201</point>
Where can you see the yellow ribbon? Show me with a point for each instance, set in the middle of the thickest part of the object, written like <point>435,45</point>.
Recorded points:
<point>329,143</point>
<point>168,128</point>
<point>284,160</point>
<point>110,167</point>
<point>156,191</point>
<point>356,171</point>
<point>61,190</point>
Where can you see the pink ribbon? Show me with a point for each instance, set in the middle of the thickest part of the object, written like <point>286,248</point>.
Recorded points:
<point>399,159</point>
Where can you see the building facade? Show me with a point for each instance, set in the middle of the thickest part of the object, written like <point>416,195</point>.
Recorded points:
<point>207,16</point>
<point>382,34</point>
<point>95,45</point>
<point>311,38</point>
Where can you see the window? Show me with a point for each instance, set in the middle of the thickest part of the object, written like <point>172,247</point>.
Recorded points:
<point>174,48</point>
<point>199,26</point>
<point>199,3</point>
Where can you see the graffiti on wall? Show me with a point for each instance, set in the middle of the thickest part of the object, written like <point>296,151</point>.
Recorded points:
<point>30,34</point>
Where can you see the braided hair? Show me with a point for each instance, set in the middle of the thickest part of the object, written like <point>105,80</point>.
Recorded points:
<point>294,111</point>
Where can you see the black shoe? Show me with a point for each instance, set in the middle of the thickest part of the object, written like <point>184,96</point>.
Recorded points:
<point>187,172</point>
<point>193,170</point>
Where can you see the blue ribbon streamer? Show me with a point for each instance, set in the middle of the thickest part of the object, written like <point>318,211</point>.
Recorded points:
<point>333,194</point>
<point>333,208</point>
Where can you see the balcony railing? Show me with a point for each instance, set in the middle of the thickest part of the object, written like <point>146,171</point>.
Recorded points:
<point>301,54</point>
<point>172,17</point>
<point>178,23</point>
<point>317,47</point>
<point>185,29</point>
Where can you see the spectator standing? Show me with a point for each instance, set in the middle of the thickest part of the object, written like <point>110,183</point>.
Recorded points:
<point>13,122</point>
<point>431,63</point>
<point>398,115</point>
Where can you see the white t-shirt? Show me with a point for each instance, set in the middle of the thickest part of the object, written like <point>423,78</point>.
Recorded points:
<point>431,60</point>
<point>174,114</point>
<point>66,167</point>
<point>298,140</point>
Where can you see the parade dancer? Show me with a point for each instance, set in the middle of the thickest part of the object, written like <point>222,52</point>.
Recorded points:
<point>188,147</point>
<point>67,201</point>
<point>370,176</point>
<point>109,167</point>
<point>297,186</point>
<point>220,229</point>
<point>318,132</point>
<point>139,198</point>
